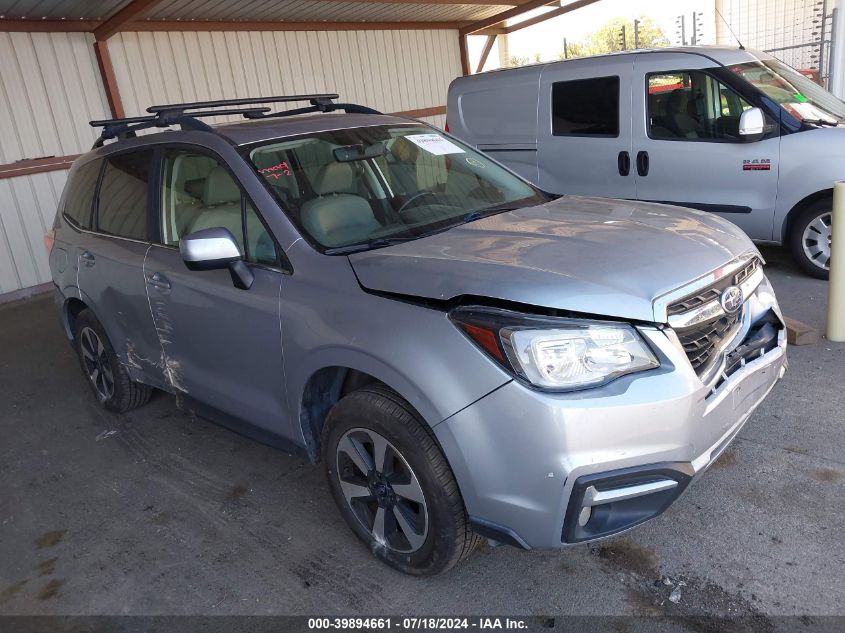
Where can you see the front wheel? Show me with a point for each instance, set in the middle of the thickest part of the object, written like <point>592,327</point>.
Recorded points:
<point>393,485</point>
<point>810,238</point>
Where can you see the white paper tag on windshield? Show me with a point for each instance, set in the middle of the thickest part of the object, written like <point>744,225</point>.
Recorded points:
<point>434,144</point>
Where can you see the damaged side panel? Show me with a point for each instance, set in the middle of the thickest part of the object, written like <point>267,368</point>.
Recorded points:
<point>218,344</point>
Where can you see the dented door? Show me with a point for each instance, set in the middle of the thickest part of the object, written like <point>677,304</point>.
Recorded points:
<point>220,345</point>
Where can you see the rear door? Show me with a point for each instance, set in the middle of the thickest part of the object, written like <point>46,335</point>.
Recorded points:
<point>584,128</point>
<point>110,261</point>
<point>687,149</point>
<point>221,345</point>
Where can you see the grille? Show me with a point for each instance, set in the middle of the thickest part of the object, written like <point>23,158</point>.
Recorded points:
<point>701,341</point>
<point>690,303</point>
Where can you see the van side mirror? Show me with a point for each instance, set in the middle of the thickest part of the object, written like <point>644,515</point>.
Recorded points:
<point>752,125</point>
<point>215,249</point>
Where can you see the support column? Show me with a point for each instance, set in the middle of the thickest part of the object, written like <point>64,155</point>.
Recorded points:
<point>462,43</point>
<point>101,50</point>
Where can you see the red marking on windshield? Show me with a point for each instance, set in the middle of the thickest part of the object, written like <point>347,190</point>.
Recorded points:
<point>276,171</point>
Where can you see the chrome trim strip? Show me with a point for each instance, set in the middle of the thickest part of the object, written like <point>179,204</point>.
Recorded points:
<point>593,497</point>
<point>661,303</point>
<point>713,309</point>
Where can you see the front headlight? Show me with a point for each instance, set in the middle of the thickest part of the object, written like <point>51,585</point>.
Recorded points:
<point>555,353</point>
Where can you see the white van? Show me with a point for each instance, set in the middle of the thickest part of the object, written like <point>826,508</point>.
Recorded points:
<point>725,130</point>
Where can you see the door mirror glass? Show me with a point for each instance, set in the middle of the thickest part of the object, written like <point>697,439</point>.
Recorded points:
<point>213,249</point>
<point>752,124</point>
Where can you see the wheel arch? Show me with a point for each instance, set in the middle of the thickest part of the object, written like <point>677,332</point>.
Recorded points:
<point>71,307</point>
<point>798,207</point>
<point>325,387</point>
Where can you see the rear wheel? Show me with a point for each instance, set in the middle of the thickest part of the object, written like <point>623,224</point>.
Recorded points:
<point>107,377</point>
<point>393,485</point>
<point>810,238</point>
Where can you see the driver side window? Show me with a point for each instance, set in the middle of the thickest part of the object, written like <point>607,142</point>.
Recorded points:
<point>199,193</point>
<point>693,106</point>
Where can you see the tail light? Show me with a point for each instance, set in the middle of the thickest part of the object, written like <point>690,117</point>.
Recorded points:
<point>49,240</point>
<point>446,127</point>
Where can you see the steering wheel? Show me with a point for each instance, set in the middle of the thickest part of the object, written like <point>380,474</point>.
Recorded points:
<point>414,198</point>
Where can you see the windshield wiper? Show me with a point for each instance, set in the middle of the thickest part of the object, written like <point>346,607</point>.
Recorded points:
<point>821,122</point>
<point>379,242</point>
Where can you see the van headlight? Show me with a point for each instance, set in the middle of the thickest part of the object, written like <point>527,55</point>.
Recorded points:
<point>557,354</point>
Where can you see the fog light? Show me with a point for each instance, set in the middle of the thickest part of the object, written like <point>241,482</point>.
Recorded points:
<point>584,516</point>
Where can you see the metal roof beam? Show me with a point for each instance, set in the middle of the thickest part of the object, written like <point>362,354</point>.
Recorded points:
<point>548,15</point>
<point>482,27</point>
<point>123,17</point>
<point>88,26</point>
<point>493,20</point>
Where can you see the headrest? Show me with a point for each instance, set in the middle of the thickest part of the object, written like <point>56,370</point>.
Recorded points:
<point>678,100</point>
<point>220,188</point>
<point>334,178</point>
<point>404,150</point>
<point>338,219</point>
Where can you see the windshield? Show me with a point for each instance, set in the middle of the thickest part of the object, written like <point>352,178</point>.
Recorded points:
<point>800,96</point>
<point>366,187</point>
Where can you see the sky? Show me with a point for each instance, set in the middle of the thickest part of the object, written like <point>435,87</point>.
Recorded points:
<point>547,37</point>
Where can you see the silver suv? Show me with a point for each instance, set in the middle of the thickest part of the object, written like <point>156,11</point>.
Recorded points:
<point>467,355</point>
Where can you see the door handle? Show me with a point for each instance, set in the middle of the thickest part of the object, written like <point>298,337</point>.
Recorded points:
<point>88,258</point>
<point>157,280</point>
<point>623,162</point>
<point>642,163</point>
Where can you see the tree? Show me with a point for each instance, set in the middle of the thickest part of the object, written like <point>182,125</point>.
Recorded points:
<point>608,38</point>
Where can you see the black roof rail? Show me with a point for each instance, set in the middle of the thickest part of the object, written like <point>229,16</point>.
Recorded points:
<point>188,115</point>
<point>326,97</point>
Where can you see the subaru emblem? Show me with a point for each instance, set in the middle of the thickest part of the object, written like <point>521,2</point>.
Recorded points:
<point>731,299</point>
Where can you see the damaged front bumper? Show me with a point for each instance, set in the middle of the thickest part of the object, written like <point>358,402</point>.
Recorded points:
<point>542,470</point>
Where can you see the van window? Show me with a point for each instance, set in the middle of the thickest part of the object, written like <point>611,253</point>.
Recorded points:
<point>586,107</point>
<point>79,202</point>
<point>122,199</point>
<point>693,106</point>
<point>198,193</point>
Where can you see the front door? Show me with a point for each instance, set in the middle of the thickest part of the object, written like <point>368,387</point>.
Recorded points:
<point>584,128</point>
<point>687,149</point>
<point>221,345</point>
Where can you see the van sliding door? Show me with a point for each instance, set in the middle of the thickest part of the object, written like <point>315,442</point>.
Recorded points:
<point>584,128</point>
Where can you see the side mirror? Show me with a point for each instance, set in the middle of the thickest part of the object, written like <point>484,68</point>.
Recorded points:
<point>215,249</point>
<point>752,125</point>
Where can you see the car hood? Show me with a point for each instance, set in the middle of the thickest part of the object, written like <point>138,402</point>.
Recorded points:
<point>590,255</point>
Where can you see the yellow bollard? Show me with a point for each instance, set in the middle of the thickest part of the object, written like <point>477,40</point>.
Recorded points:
<point>836,289</point>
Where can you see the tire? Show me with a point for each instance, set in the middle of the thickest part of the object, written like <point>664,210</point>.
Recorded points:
<point>421,538</point>
<point>809,238</point>
<point>106,375</point>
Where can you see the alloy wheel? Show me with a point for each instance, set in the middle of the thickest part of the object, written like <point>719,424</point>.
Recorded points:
<point>96,363</point>
<point>816,240</point>
<point>382,490</point>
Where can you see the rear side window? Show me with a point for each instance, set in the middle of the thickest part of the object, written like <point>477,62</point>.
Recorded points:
<point>80,194</point>
<point>586,107</point>
<point>122,199</point>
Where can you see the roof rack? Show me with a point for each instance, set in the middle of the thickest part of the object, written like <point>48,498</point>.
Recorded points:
<point>188,115</point>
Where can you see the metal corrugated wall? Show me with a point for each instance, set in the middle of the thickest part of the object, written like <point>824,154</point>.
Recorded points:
<point>388,70</point>
<point>49,90</point>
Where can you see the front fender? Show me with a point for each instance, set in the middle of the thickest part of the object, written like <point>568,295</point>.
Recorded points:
<point>810,162</point>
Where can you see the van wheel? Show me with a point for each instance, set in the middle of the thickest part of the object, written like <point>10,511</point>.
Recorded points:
<point>393,485</point>
<point>810,238</point>
<point>106,375</point>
